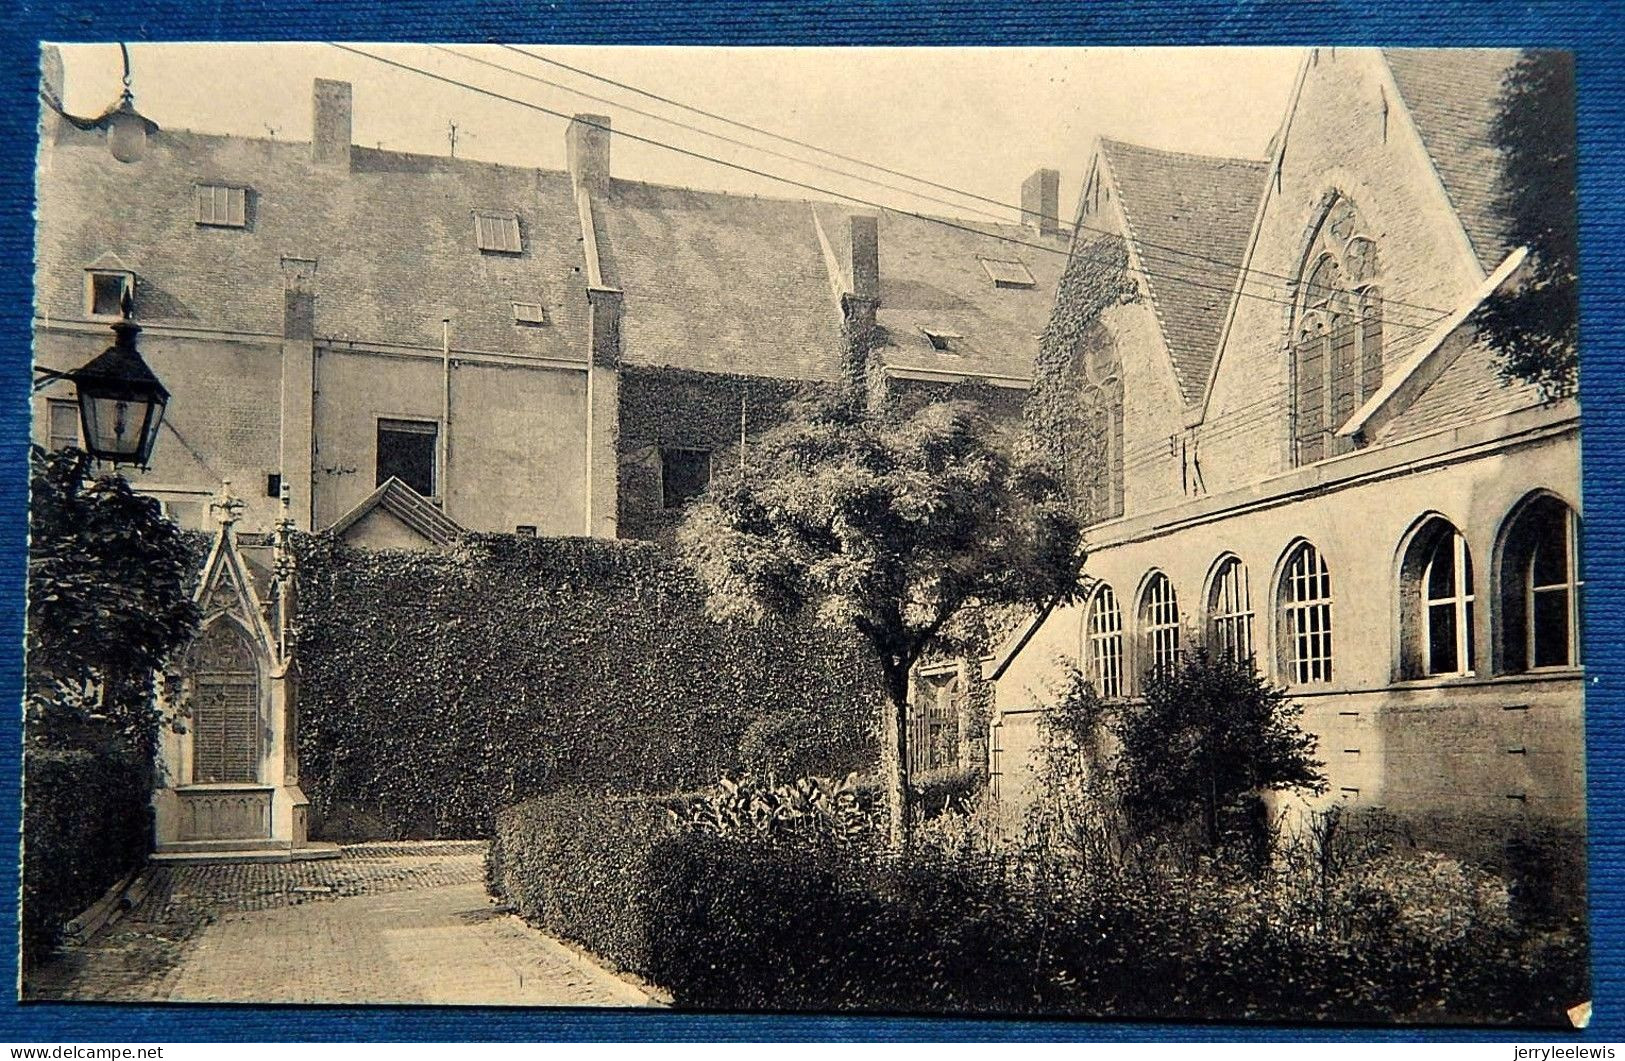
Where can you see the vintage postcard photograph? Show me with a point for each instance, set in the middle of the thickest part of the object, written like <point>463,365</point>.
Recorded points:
<point>1086,533</point>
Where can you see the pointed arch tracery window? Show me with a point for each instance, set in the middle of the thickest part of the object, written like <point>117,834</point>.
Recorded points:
<point>1096,467</point>
<point>225,706</point>
<point>1336,333</point>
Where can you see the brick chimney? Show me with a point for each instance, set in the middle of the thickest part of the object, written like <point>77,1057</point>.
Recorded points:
<point>330,127</point>
<point>865,256</point>
<point>586,152</point>
<point>858,305</point>
<point>1041,202</point>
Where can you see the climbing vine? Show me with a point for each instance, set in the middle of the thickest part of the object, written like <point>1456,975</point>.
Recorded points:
<point>668,407</point>
<point>1095,279</point>
<point>437,687</point>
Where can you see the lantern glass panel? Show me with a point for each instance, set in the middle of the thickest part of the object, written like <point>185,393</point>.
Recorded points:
<point>118,427</point>
<point>127,136</point>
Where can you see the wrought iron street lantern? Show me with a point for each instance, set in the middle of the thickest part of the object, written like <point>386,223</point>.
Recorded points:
<point>121,401</point>
<point>127,129</point>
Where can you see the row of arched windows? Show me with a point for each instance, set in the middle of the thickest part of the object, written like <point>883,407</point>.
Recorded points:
<point>1538,586</point>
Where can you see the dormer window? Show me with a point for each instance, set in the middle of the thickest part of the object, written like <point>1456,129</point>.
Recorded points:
<point>105,290</point>
<point>531,314</point>
<point>497,232</point>
<point>941,340</point>
<point>1006,272</point>
<point>222,206</point>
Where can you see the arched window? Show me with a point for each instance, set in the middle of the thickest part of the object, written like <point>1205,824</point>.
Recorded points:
<point>225,706</point>
<point>1095,464</point>
<point>1230,611</point>
<point>1159,624</point>
<point>1336,333</point>
<point>1103,642</point>
<point>1306,617</point>
<point>1436,600</point>
<point>1541,582</point>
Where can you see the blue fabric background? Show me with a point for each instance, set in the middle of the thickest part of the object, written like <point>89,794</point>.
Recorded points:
<point>1589,27</point>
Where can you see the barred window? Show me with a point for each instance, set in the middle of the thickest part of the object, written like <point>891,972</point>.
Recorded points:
<point>1230,611</point>
<point>1159,623</point>
<point>1306,617</point>
<point>1103,636</point>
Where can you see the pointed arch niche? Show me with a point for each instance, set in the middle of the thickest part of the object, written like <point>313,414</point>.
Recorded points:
<point>1095,464</point>
<point>1337,335</point>
<point>228,768</point>
<point>226,705</point>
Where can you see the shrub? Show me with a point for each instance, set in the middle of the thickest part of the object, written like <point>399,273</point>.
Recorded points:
<point>799,741</point>
<point>812,808</point>
<point>87,822</point>
<point>752,915</point>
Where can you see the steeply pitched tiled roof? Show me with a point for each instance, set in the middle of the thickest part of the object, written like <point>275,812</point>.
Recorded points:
<point>1469,389</point>
<point>1203,205</point>
<point>932,278</point>
<point>718,283</point>
<point>1453,95</point>
<point>393,238</point>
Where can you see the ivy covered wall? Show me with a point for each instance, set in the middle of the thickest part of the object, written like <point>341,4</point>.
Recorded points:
<point>1075,409</point>
<point>437,687</point>
<point>663,407</point>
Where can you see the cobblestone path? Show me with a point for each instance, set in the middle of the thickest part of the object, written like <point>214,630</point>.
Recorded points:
<point>402,923</point>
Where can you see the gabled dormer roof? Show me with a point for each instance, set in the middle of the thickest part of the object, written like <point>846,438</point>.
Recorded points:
<point>406,505</point>
<point>1189,218</point>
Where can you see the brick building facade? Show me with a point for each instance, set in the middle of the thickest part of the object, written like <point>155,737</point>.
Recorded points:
<point>1317,463</point>
<point>556,353</point>
<point>397,348</point>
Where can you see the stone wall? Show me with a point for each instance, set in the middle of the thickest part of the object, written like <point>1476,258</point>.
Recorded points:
<point>1487,745</point>
<point>1348,134</point>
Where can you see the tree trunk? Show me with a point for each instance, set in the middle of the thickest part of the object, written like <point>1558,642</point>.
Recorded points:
<point>895,758</point>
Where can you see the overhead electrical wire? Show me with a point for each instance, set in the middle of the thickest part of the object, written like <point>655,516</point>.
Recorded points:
<point>1182,251</point>
<point>1231,290</point>
<point>717,136</point>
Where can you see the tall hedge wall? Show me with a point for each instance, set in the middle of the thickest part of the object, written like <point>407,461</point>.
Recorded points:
<point>436,687</point>
<point>87,821</point>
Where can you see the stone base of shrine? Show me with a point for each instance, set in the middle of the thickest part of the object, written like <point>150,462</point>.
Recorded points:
<point>234,822</point>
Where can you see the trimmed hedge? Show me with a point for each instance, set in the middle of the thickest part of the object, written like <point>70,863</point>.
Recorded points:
<point>87,821</point>
<point>733,922</point>
<point>600,901</point>
<point>437,686</point>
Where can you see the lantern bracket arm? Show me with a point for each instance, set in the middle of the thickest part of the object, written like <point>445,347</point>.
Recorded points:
<point>74,120</point>
<point>44,377</point>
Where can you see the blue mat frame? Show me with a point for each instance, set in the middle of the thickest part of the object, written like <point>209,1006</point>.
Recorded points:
<point>1588,26</point>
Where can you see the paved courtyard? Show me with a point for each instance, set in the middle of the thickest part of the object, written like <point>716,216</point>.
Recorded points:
<point>400,923</point>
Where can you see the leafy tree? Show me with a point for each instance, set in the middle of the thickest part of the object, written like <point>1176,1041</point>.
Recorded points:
<point>1535,327</point>
<point>894,526</point>
<point>107,598</point>
<point>1210,732</point>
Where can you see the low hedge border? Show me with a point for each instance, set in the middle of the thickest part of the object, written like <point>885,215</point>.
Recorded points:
<point>733,922</point>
